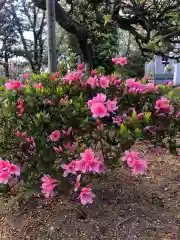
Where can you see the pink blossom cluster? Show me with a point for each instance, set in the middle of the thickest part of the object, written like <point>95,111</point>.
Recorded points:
<point>48,102</point>
<point>38,85</point>
<point>21,134</point>
<point>81,66</point>
<point>32,144</point>
<point>54,76</point>
<point>115,81</point>
<point>178,116</point>
<point>14,85</point>
<point>101,107</point>
<point>20,107</point>
<point>103,81</point>
<point>48,186</point>
<point>136,87</point>
<point>86,195</point>
<point>168,83</point>
<point>56,134</point>
<point>25,139</point>
<point>64,100</point>
<point>163,105</point>
<point>139,166</point>
<point>7,171</point>
<point>88,163</point>
<point>120,61</point>
<point>26,75</point>
<point>117,120</point>
<point>72,77</point>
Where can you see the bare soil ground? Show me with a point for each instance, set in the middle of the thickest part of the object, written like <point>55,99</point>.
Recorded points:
<point>126,208</point>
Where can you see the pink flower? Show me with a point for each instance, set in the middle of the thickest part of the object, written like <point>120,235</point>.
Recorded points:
<point>130,82</point>
<point>93,72</point>
<point>178,116</point>
<point>134,87</point>
<point>77,184</point>
<point>4,165</point>
<point>117,120</point>
<point>95,166</point>
<point>111,106</point>
<point>38,85</point>
<point>81,66</point>
<point>104,82</point>
<point>64,100</point>
<point>48,185</point>
<point>89,163</point>
<point>14,170</point>
<point>120,61</point>
<point>14,85</point>
<point>163,104</point>
<point>114,60</point>
<point>139,166</point>
<point>58,149</point>
<point>72,77</point>
<point>4,177</point>
<point>18,134</point>
<point>54,76</point>
<point>48,102</point>
<point>30,139</point>
<point>130,157</point>
<point>81,166</point>
<point>113,79</point>
<point>92,81</point>
<point>24,134</point>
<point>26,75</point>
<point>87,155</point>
<point>150,87</point>
<point>69,168</point>
<point>70,147</point>
<point>168,83</point>
<point>55,136</point>
<point>20,107</point>
<point>140,115</point>
<point>100,98</point>
<point>146,78</point>
<point>99,110</point>
<point>69,131</point>
<point>86,195</point>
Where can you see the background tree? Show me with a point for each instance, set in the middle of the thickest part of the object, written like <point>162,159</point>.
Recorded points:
<point>154,24</point>
<point>29,20</point>
<point>8,38</point>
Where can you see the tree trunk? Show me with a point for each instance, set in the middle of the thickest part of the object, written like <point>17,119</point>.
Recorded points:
<point>35,68</point>
<point>81,32</point>
<point>6,65</point>
<point>52,58</point>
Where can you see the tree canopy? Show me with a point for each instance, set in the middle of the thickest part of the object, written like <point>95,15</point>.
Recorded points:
<point>153,23</point>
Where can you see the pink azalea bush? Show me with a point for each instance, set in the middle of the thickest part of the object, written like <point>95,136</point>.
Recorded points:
<point>59,129</point>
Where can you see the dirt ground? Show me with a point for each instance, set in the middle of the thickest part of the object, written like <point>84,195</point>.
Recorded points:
<point>126,208</point>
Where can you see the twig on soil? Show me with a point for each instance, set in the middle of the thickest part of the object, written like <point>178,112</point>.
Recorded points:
<point>124,220</point>
<point>28,202</point>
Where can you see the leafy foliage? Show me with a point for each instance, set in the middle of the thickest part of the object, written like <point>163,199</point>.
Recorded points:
<point>53,119</point>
